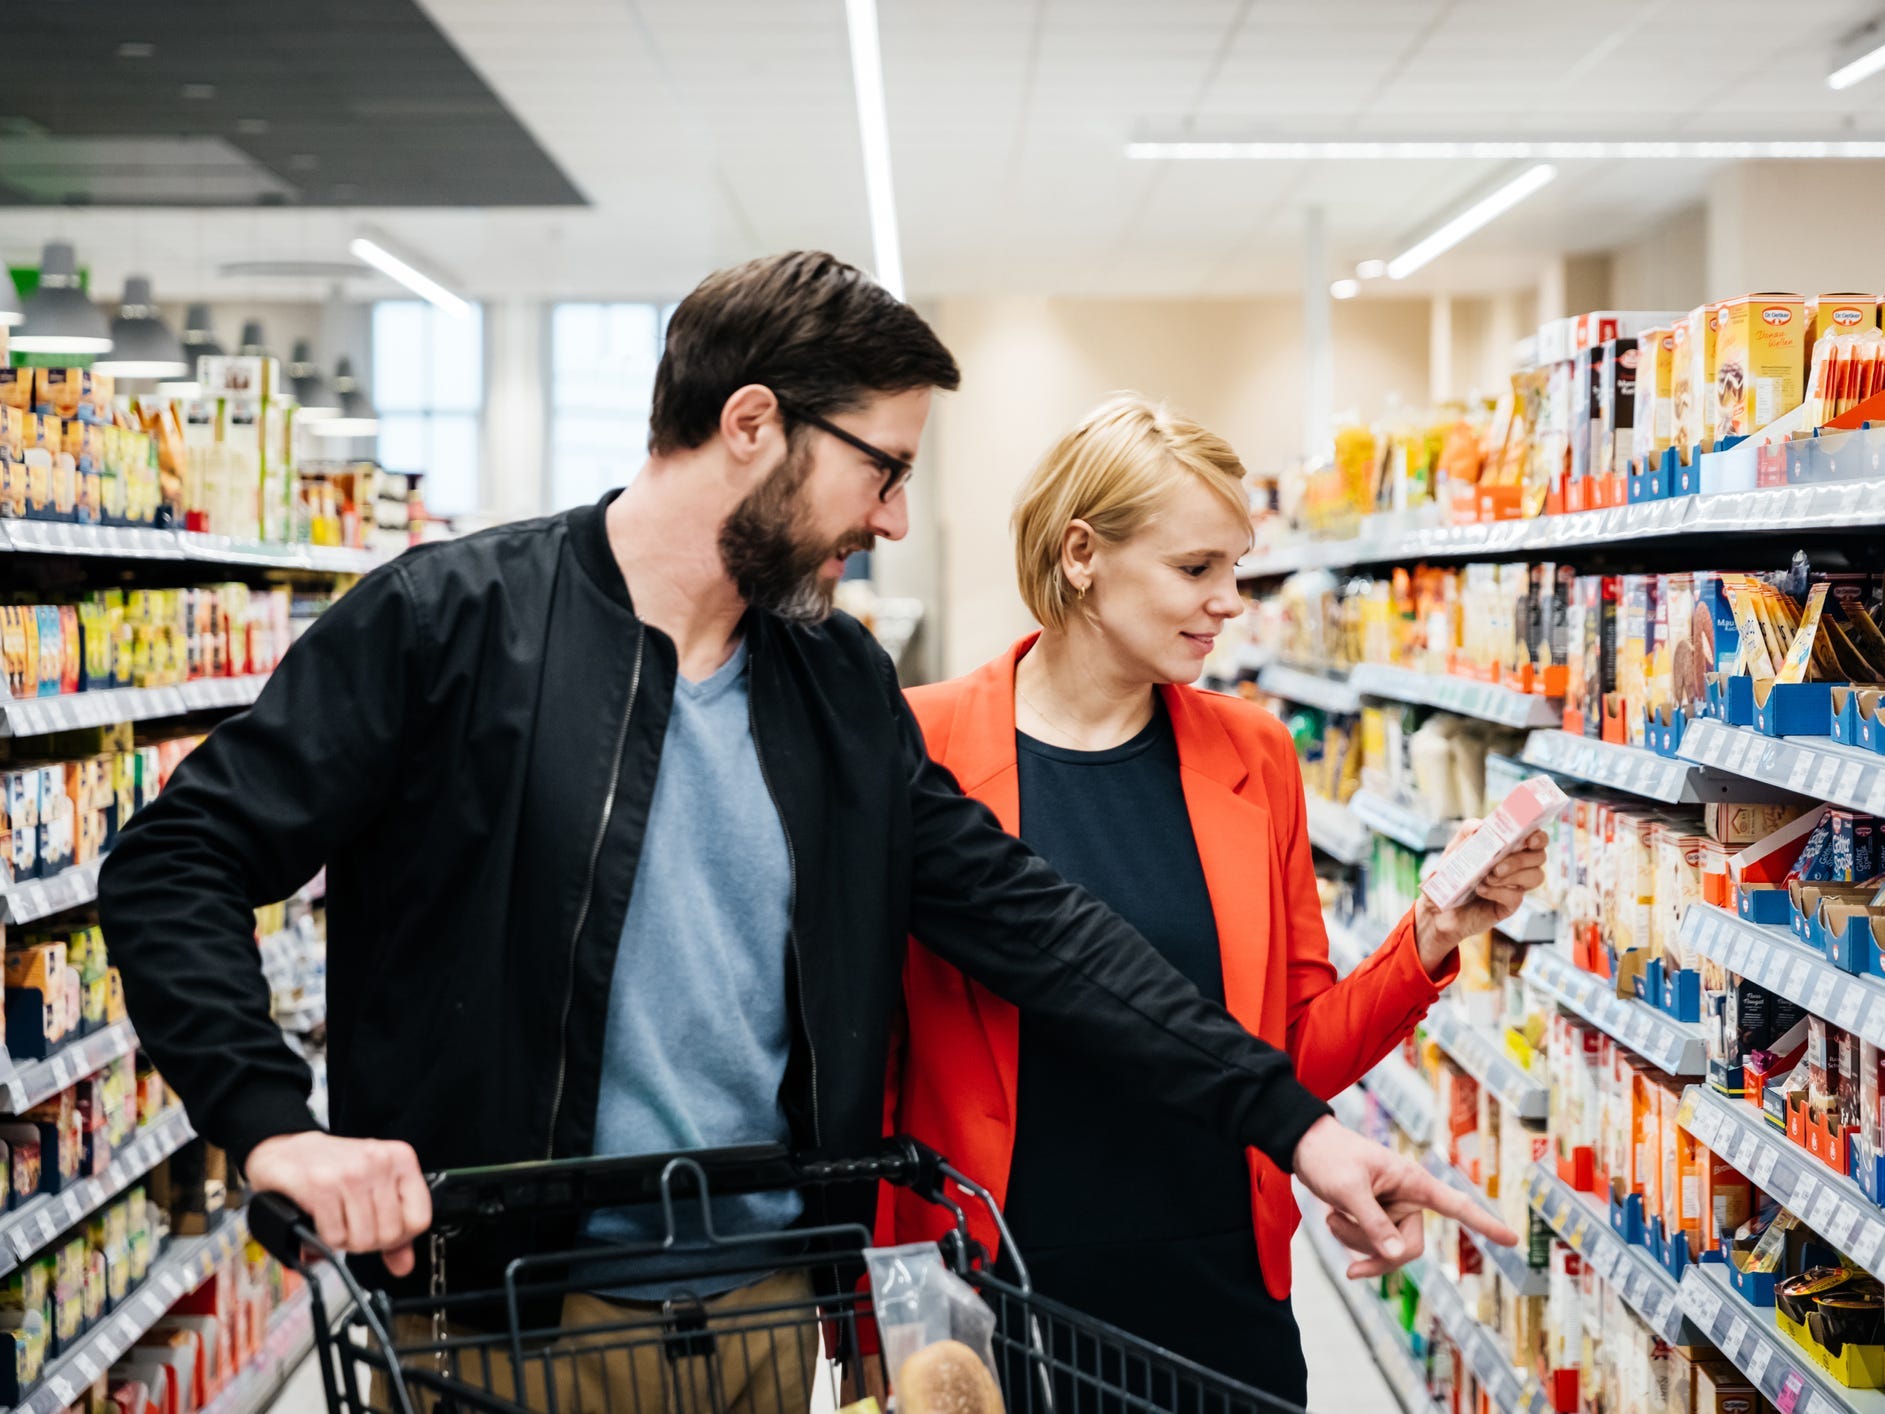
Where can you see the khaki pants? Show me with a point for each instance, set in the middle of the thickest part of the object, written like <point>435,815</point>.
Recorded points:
<point>742,1364</point>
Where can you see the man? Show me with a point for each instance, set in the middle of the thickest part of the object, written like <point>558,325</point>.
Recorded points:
<point>625,831</point>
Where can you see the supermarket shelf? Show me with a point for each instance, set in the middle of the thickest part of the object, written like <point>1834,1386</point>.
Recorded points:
<point>1252,658</point>
<point>41,898</point>
<point>35,716</point>
<point>1310,689</point>
<point>1509,1262</point>
<point>1399,823</point>
<point>1829,1203</point>
<point>1747,1335</point>
<point>1407,1099</point>
<point>1835,505</point>
<point>1805,765</point>
<point>26,1085</point>
<point>1530,924</point>
<point>1347,950</point>
<point>184,1265</point>
<point>1771,957</point>
<point>1646,1288</point>
<point>290,1338</point>
<point>1508,1391</point>
<point>1484,1058</point>
<point>141,543</point>
<point>1386,1340</point>
<point>1335,831</point>
<point>1640,772</point>
<point>1674,1046</point>
<point>1487,701</point>
<point>28,1228</point>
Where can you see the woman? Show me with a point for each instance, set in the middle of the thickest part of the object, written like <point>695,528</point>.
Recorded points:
<point>1183,810</point>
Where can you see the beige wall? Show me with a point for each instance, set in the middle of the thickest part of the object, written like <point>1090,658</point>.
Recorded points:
<point>1032,366</point>
<point>1809,227</point>
<point>1666,267</point>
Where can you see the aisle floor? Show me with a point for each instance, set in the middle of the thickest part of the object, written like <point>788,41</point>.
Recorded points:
<point>1342,1373</point>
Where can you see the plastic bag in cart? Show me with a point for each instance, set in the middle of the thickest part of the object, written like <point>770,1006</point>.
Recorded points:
<point>919,1301</point>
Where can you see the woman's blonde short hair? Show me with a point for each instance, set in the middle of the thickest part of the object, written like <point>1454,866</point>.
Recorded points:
<point>1112,471</point>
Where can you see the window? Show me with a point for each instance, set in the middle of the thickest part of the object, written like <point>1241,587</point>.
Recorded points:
<point>602,378</point>
<point>428,388</point>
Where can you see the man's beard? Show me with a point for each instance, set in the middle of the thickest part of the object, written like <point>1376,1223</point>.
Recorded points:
<point>769,553</point>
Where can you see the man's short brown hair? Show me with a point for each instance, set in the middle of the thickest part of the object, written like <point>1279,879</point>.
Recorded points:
<point>821,334</point>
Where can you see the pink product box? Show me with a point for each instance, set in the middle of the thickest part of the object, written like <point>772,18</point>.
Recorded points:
<point>1529,807</point>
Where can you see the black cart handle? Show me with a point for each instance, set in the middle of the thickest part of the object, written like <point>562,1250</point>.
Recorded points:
<point>473,1195</point>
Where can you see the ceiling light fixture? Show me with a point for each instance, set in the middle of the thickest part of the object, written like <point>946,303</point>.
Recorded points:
<point>356,417</point>
<point>252,344</point>
<point>141,345</point>
<point>867,80</point>
<point>59,318</point>
<point>1859,57</point>
<point>1480,214</point>
<point>421,284</point>
<point>1344,289</point>
<point>1553,151</point>
<point>1371,269</point>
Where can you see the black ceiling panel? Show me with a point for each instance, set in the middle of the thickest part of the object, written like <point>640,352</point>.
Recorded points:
<point>342,102</point>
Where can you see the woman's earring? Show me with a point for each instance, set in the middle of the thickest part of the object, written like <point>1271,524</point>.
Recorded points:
<point>1083,594</point>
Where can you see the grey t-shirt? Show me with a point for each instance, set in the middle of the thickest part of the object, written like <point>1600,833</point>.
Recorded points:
<point>698,1031</point>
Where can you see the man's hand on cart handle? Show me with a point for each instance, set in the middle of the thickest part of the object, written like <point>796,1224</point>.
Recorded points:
<point>1376,1198</point>
<point>364,1195</point>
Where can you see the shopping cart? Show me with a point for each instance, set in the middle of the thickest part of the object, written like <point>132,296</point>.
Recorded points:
<point>809,1325</point>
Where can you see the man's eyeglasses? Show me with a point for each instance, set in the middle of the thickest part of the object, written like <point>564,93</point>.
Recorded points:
<point>896,470</point>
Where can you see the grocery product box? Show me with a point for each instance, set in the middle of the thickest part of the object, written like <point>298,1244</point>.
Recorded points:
<point>1760,361</point>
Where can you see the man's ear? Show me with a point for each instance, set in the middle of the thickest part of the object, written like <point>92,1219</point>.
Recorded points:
<point>751,424</point>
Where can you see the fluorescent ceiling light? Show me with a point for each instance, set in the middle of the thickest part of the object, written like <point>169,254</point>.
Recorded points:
<point>1555,151</point>
<point>1344,289</point>
<point>1371,269</point>
<point>1481,213</point>
<point>1862,66</point>
<point>867,79</point>
<point>421,284</point>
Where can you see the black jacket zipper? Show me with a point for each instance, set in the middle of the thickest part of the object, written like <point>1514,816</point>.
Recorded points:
<point>589,890</point>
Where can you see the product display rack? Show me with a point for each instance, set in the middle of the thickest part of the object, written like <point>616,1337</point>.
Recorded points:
<point>1824,506</point>
<point>1486,701</point>
<point>290,1338</point>
<point>1635,771</point>
<point>29,1228</point>
<point>1815,767</point>
<point>1676,1047</point>
<point>1335,830</point>
<point>1393,1353</point>
<point>182,1266</point>
<point>1507,1389</point>
<point>44,537</point>
<point>1577,1218</point>
<point>1403,1096</point>
<point>1347,948</point>
<point>1331,694</point>
<point>33,899</point>
<point>25,1085</point>
<point>1774,959</point>
<point>36,716</point>
<point>1529,924</point>
<point>1520,1275</point>
<point>1484,1058</point>
<point>1829,1203</point>
<point>1748,1337</point>
<point>1400,823</point>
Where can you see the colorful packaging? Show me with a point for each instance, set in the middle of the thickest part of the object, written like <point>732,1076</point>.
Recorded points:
<point>1760,361</point>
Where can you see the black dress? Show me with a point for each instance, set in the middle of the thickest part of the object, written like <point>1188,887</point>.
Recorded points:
<point>1123,1208</point>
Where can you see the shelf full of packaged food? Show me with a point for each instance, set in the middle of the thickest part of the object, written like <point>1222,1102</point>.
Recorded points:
<point>1832,505</point>
<point>1400,823</point>
<point>1487,701</point>
<point>1775,960</point>
<point>1347,949</point>
<point>1335,831</point>
<point>1829,1203</point>
<point>1676,1047</point>
<point>136,542</point>
<point>32,899</point>
<point>1636,770</point>
<point>289,1340</point>
<point>36,716</point>
<point>1776,1365</point>
<point>1505,1387</point>
<point>1309,689</point>
<point>1583,1223</point>
<point>185,1263</point>
<point>1509,1262</point>
<point>1407,1099</point>
<point>1390,1345</point>
<point>36,1222</point>
<point>1529,924</point>
<point>1485,1059</point>
<point>1813,766</point>
<point>27,1084</point>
